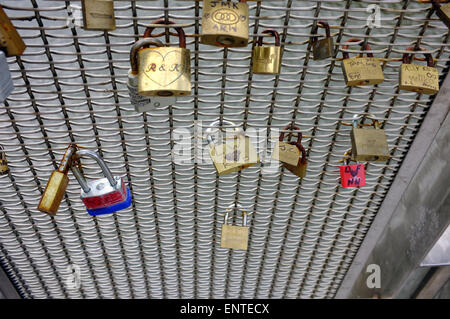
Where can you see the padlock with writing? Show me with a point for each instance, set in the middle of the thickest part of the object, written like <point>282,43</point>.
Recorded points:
<point>418,78</point>
<point>101,196</point>
<point>267,59</point>
<point>164,71</point>
<point>232,236</point>
<point>323,48</point>
<point>10,41</point>
<point>57,184</point>
<point>98,15</point>
<point>352,175</point>
<point>143,103</point>
<point>299,169</point>
<point>232,156</point>
<point>6,82</point>
<point>225,23</point>
<point>442,11</point>
<point>361,70</point>
<point>3,162</point>
<point>286,152</point>
<point>368,144</point>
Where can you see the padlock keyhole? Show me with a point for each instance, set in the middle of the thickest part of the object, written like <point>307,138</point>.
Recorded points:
<point>225,40</point>
<point>165,93</point>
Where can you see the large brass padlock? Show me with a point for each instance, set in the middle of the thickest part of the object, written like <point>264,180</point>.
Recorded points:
<point>286,152</point>
<point>368,144</point>
<point>361,70</point>
<point>267,60</point>
<point>298,169</point>
<point>418,78</point>
<point>443,12</point>
<point>234,237</point>
<point>10,41</point>
<point>225,23</point>
<point>3,162</point>
<point>323,48</point>
<point>98,15</point>
<point>164,71</point>
<point>57,184</point>
<point>232,156</point>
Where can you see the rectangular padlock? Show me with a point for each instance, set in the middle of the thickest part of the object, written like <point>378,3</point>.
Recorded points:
<point>234,237</point>
<point>10,40</point>
<point>324,48</point>
<point>267,59</point>
<point>98,15</point>
<point>6,82</point>
<point>369,144</point>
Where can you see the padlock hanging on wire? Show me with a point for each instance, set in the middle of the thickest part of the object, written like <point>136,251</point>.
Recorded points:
<point>323,48</point>
<point>98,15</point>
<point>232,236</point>
<point>352,175</point>
<point>267,59</point>
<point>301,165</point>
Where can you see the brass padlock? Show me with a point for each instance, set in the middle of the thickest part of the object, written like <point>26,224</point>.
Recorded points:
<point>3,162</point>
<point>368,144</point>
<point>98,15</point>
<point>443,12</point>
<point>323,48</point>
<point>234,237</point>
<point>231,156</point>
<point>361,70</point>
<point>225,23</point>
<point>57,184</point>
<point>286,152</point>
<point>298,169</point>
<point>10,41</point>
<point>267,60</point>
<point>418,78</point>
<point>165,71</point>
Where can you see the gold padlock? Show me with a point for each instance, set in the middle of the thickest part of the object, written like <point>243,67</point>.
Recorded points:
<point>3,162</point>
<point>443,12</point>
<point>267,60</point>
<point>323,48</point>
<point>231,156</point>
<point>286,152</point>
<point>416,77</point>
<point>10,41</point>
<point>361,70</point>
<point>234,237</point>
<point>57,184</point>
<point>225,23</point>
<point>165,71</point>
<point>98,15</point>
<point>368,144</point>
<point>299,168</point>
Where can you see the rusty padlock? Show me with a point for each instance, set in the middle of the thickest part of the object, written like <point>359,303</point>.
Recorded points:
<point>286,152</point>
<point>299,169</point>
<point>323,48</point>
<point>10,41</point>
<point>267,59</point>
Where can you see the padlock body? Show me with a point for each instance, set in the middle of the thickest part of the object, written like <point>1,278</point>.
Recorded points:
<point>113,208</point>
<point>266,60</point>
<point>98,15</point>
<point>225,23</point>
<point>3,166</point>
<point>323,49</point>
<point>353,175</point>
<point>369,145</point>
<point>298,170</point>
<point>164,71</point>
<point>444,14</point>
<point>10,39</point>
<point>362,71</point>
<point>419,78</point>
<point>234,237</point>
<point>286,153</point>
<point>233,156</point>
<point>6,82</point>
<point>102,194</point>
<point>53,193</point>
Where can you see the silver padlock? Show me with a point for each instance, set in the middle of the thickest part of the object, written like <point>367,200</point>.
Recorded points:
<point>144,103</point>
<point>6,82</point>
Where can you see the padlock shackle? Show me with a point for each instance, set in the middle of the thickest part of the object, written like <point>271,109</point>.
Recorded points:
<point>357,119</point>
<point>67,158</point>
<point>324,25</point>
<point>407,57</point>
<point>273,33</point>
<point>214,124</point>
<point>345,55</point>
<point>294,128</point>
<point>2,152</point>
<point>232,209</point>
<point>136,47</point>
<point>243,1</point>
<point>180,31</point>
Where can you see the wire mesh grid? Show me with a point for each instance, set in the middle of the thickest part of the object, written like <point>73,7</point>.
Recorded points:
<point>70,86</point>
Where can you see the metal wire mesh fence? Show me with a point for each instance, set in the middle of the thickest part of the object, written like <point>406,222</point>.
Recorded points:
<point>70,86</point>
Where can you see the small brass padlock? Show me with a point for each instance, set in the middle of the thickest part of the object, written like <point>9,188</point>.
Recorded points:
<point>267,60</point>
<point>443,12</point>
<point>225,23</point>
<point>98,15</point>
<point>164,71</point>
<point>419,78</point>
<point>368,144</point>
<point>298,169</point>
<point>3,162</point>
<point>57,184</point>
<point>361,70</point>
<point>286,152</point>
<point>323,48</point>
<point>231,156</point>
<point>234,237</point>
<point>10,41</point>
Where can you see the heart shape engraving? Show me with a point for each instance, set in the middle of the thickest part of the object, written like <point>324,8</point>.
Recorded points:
<point>164,69</point>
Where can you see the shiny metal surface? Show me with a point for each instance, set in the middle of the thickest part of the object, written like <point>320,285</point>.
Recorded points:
<point>303,234</point>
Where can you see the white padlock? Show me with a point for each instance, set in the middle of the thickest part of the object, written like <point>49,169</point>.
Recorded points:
<point>6,82</point>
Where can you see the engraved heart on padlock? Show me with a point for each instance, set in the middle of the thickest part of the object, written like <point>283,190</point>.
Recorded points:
<point>157,66</point>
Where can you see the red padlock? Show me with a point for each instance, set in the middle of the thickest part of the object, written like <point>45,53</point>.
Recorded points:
<point>352,175</point>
